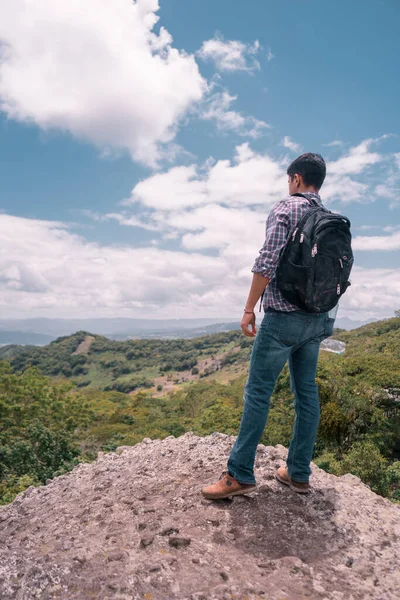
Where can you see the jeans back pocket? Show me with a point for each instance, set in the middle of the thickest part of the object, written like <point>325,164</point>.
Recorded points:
<point>293,329</point>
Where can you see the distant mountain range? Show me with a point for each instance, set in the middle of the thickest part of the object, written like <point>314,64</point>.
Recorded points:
<point>25,338</point>
<point>40,332</point>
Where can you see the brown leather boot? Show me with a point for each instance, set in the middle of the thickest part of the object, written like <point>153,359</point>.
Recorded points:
<point>225,487</point>
<point>301,487</point>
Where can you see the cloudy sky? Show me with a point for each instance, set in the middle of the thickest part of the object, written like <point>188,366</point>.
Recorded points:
<point>142,145</point>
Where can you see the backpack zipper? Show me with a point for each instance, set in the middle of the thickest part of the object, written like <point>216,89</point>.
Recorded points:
<point>294,234</point>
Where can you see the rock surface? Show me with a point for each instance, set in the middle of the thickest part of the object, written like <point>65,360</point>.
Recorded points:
<point>134,526</point>
<point>333,346</point>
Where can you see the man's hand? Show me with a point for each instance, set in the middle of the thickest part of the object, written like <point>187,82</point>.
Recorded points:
<point>248,324</point>
<point>258,285</point>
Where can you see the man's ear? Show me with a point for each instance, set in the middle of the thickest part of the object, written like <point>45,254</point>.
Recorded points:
<point>297,180</point>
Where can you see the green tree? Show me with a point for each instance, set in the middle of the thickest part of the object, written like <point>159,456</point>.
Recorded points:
<point>365,461</point>
<point>38,423</point>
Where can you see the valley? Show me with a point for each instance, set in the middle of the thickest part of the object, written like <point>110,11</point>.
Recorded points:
<point>81,394</point>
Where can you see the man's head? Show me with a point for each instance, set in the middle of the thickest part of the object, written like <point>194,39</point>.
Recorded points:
<point>306,173</point>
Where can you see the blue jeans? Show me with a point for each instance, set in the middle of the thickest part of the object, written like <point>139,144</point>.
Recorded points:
<point>282,336</point>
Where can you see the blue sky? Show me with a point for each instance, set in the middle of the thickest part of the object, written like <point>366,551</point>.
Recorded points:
<point>139,158</point>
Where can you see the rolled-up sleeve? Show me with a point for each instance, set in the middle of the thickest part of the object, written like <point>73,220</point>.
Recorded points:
<point>276,234</point>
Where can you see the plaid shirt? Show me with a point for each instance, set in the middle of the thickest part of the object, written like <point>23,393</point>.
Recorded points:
<point>283,217</point>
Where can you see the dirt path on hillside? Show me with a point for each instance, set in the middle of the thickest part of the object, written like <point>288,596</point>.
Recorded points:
<point>84,346</point>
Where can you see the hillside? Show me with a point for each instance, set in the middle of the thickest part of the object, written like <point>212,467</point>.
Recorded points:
<point>133,525</point>
<point>373,350</point>
<point>48,424</point>
<point>162,365</point>
<point>96,362</point>
<point>380,337</point>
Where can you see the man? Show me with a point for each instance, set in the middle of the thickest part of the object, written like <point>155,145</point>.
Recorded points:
<point>286,334</point>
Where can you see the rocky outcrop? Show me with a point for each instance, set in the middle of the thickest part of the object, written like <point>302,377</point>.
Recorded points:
<point>133,526</point>
<point>332,345</point>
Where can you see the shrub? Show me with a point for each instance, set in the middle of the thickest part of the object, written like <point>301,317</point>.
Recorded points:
<point>127,419</point>
<point>333,423</point>
<point>82,384</point>
<point>80,370</point>
<point>113,443</point>
<point>12,485</point>
<point>328,462</point>
<point>365,461</point>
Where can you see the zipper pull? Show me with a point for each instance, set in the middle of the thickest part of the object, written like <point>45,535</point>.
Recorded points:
<point>338,289</point>
<point>294,234</point>
<point>301,238</point>
<point>341,262</point>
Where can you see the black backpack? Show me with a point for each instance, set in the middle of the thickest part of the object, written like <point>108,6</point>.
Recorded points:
<point>316,261</point>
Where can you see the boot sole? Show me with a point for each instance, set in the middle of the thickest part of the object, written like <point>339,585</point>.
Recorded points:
<point>292,485</point>
<point>284,481</point>
<point>237,493</point>
<point>298,490</point>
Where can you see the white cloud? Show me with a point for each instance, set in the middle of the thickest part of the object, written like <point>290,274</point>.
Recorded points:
<point>355,161</point>
<point>231,55</point>
<point>192,203</point>
<point>218,107</point>
<point>100,73</point>
<point>387,189</point>
<point>340,183</point>
<point>345,189</point>
<point>252,179</point>
<point>391,228</point>
<point>222,205</point>
<point>214,213</point>
<point>334,143</point>
<point>390,188</point>
<point>368,227</point>
<point>216,226</point>
<point>270,55</point>
<point>179,187</point>
<point>129,221</point>
<point>46,270</point>
<point>249,179</point>
<point>287,142</point>
<point>377,242</point>
<point>374,294</point>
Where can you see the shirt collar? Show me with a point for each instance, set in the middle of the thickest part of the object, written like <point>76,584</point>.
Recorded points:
<point>312,194</point>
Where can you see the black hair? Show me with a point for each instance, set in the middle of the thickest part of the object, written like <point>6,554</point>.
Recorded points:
<point>311,167</point>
